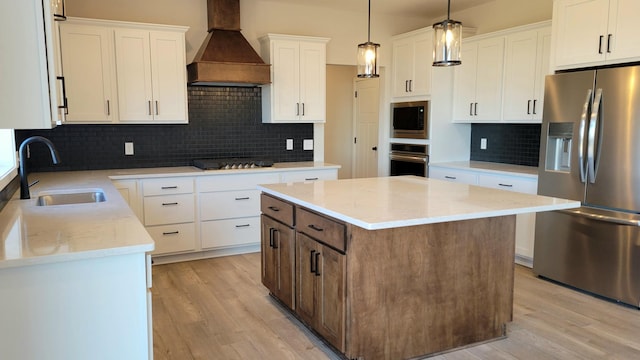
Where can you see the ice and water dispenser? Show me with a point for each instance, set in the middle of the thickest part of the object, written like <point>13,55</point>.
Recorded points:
<point>559,142</point>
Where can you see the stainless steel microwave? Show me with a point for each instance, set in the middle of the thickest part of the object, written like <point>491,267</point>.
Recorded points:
<point>410,120</point>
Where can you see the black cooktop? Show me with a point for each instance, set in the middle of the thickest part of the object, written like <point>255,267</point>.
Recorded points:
<point>231,163</point>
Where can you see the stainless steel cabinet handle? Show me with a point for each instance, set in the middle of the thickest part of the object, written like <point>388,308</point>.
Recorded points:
<point>470,109</point>
<point>534,106</point>
<point>297,109</point>
<point>505,185</point>
<point>583,126</point>
<point>244,225</point>
<point>242,198</point>
<point>410,85</point>
<point>302,109</point>
<point>157,112</point>
<point>311,179</point>
<point>609,43</point>
<point>475,109</point>
<point>529,107</point>
<point>406,86</point>
<point>108,108</point>
<point>168,187</point>
<point>169,204</point>
<point>450,177</point>
<point>600,44</point>
<point>171,233</point>
<point>602,217</point>
<point>149,104</point>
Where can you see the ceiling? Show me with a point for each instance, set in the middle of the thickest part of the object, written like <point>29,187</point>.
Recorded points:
<point>427,8</point>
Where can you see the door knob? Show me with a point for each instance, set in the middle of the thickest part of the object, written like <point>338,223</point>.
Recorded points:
<point>375,148</point>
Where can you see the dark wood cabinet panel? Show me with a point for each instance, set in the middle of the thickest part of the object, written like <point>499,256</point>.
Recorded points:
<point>278,260</point>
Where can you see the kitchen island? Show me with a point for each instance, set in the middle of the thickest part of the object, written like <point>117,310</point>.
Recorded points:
<point>398,267</point>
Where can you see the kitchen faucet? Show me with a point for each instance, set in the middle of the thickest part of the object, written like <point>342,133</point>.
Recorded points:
<point>24,183</point>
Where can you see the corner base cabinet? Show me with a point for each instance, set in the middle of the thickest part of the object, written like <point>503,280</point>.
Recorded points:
<point>395,293</point>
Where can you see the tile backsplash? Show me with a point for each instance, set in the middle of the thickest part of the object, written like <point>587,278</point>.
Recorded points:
<point>517,144</point>
<point>223,122</point>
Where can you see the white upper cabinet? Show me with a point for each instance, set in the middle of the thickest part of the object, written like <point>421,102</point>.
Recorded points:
<point>90,77</point>
<point>526,65</point>
<point>152,85</point>
<point>412,63</point>
<point>478,81</point>
<point>121,72</point>
<point>297,93</point>
<point>595,32</point>
<point>28,66</point>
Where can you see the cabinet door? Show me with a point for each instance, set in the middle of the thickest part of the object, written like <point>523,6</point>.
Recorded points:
<point>422,64</point>
<point>330,296</point>
<point>464,97</point>
<point>286,80</point>
<point>543,69</point>
<point>520,76</point>
<point>489,80</point>
<point>312,82</point>
<point>402,66</point>
<point>133,62</point>
<point>306,250</point>
<point>168,77</point>
<point>580,29</point>
<point>87,57</point>
<point>269,256</point>
<point>280,242</point>
<point>624,28</point>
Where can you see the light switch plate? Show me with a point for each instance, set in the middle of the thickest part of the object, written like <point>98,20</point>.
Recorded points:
<point>128,148</point>
<point>289,144</point>
<point>483,143</point>
<point>307,144</point>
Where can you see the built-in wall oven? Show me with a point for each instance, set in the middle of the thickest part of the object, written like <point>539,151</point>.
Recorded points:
<point>410,120</point>
<point>408,159</point>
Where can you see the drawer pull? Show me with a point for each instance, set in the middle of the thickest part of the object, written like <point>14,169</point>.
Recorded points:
<point>243,225</point>
<point>242,198</point>
<point>311,179</point>
<point>171,233</point>
<point>506,185</point>
<point>317,267</point>
<point>450,177</point>
<point>169,204</point>
<point>313,227</point>
<point>273,208</point>
<point>169,187</point>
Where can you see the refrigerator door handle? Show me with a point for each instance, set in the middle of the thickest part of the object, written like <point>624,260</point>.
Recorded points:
<point>591,144</point>
<point>599,217</point>
<point>581,147</point>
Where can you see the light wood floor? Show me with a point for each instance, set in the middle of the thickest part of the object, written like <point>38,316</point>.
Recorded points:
<point>218,309</point>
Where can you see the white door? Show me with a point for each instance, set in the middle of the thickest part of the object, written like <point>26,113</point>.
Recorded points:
<point>366,127</point>
<point>169,81</point>
<point>133,64</point>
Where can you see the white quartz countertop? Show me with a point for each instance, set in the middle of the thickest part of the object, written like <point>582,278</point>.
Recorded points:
<point>491,167</point>
<point>388,202</point>
<point>31,234</point>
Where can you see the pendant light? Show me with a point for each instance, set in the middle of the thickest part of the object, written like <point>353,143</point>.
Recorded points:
<point>368,54</point>
<point>447,37</point>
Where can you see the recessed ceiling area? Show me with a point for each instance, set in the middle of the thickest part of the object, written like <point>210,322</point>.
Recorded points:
<point>427,8</point>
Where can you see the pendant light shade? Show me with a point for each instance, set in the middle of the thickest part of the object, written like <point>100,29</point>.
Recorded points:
<point>368,54</point>
<point>447,38</point>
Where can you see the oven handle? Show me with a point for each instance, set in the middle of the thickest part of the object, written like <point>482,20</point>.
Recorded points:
<point>409,158</point>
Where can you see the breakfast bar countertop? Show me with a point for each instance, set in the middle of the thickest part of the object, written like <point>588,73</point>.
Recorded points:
<point>389,202</point>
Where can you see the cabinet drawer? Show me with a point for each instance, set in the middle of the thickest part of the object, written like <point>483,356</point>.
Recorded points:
<point>165,186</point>
<point>173,238</point>
<point>235,182</point>
<point>308,175</point>
<point>528,186</point>
<point>229,204</point>
<point>232,232</point>
<point>170,209</point>
<point>322,228</point>
<point>453,175</point>
<point>277,209</point>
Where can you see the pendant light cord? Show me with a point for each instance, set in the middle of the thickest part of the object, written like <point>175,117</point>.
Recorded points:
<point>448,10</point>
<point>369,24</point>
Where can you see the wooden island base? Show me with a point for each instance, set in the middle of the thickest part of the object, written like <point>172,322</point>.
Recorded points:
<point>419,290</point>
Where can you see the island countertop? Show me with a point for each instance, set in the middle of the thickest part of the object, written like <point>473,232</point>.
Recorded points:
<point>388,202</point>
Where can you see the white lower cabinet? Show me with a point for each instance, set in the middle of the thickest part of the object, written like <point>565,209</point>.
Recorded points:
<point>525,223</point>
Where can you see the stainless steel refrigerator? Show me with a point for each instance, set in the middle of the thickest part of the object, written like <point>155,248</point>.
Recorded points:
<point>590,151</point>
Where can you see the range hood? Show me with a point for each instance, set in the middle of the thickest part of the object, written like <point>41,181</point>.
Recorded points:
<point>226,57</point>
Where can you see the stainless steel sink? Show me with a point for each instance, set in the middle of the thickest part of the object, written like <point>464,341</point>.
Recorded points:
<point>82,196</point>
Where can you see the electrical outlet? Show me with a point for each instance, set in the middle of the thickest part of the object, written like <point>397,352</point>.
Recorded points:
<point>307,144</point>
<point>128,148</point>
<point>483,144</point>
<point>289,144</point>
